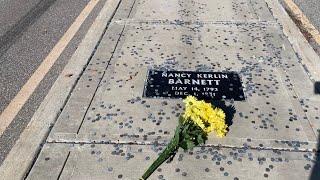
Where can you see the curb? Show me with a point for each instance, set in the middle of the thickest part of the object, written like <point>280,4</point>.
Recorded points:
<point>302,21</point>
<point>24,152</point>
<point>309,58</point>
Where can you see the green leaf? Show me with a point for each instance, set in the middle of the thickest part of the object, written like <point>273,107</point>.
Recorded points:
<point>184,145</point>
<point>190,144</point>
<point>181,120</point>
<point>200,139</point>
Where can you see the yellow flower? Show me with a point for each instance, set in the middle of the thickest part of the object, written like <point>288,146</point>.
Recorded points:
<point>208,118</point>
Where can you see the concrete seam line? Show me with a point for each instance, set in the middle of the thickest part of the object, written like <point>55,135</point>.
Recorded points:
<point>9,113</point>
<point>309,58</point>
<point>21,156</point>
<point>135,143</point>
<point>300,17</point>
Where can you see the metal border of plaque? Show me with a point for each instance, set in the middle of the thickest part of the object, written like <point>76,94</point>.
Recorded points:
<point>203,85</point>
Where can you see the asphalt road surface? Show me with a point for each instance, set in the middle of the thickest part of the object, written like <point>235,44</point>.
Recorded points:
<point>311,8</point>
<point>28,32</point>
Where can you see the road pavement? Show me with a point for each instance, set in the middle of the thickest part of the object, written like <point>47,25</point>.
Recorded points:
<point>311,9</point>
<point>28,32</point>
<point>12,12</point>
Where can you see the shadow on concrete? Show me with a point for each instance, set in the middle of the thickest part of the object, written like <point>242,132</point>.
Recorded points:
<point>228,110</point>
<point>317,87</point>
<point>315,173</point>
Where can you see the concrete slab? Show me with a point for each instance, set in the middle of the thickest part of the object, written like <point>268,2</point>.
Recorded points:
<point>203,10</point>
<point>270,113</point>
<point>118,161</point>
<point>82,95</point>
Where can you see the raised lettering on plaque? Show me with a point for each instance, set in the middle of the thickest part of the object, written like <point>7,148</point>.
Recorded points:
<point>204,85</point>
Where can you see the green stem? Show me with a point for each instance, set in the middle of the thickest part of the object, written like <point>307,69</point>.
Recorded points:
<point>172,147</point>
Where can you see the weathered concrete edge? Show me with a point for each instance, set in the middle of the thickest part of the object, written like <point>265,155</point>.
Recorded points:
<point>22,155</point>
<point>306,53</point>
<point>305,24</point>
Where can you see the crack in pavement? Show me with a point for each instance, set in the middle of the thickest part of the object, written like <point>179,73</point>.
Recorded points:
<point>164,144</point>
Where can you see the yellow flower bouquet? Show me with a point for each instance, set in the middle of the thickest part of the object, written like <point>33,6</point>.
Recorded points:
<point>199,119</point>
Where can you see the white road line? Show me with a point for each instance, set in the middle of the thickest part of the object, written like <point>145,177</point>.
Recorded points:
<point>28,88</point>
<point>299,16</point>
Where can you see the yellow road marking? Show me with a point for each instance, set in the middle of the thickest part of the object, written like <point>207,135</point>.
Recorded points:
<point>306,25</point>
<point>28,88</point>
